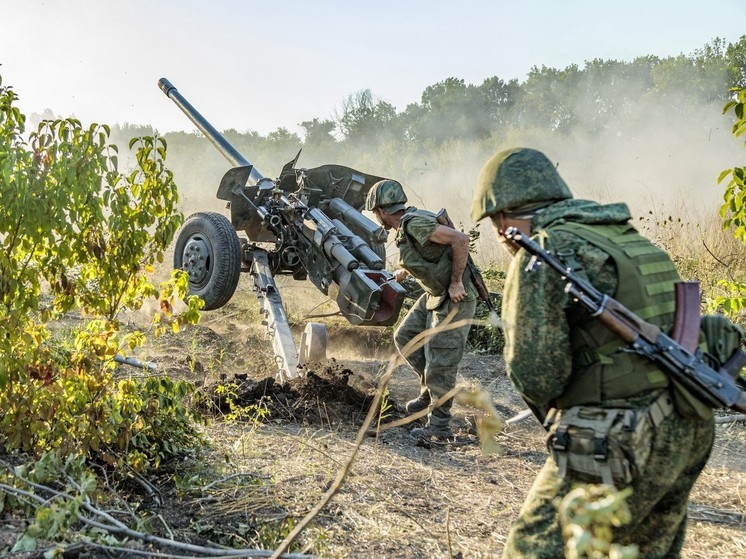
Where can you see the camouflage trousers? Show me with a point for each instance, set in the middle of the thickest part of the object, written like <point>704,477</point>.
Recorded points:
<point>658,503</point>
<point>436,363</point>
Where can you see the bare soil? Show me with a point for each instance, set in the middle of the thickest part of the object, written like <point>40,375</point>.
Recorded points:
<point>401,498</point>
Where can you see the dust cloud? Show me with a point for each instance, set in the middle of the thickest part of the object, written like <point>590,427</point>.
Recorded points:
<point>662,160</point>
<point>660,165</point>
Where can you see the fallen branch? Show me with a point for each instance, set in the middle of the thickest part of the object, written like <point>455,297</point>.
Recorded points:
<point>132,362</point>
<point>110,524</point>
<point>520,416</point>
<point>740,418</point>
<point>706,513</point>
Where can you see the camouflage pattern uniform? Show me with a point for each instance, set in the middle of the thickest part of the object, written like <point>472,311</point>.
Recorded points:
<point>436,363</point>
<point>543,362</point>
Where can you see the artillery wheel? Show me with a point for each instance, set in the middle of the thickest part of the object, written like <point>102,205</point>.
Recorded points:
<point>312,343</point>
<point>208,249</point>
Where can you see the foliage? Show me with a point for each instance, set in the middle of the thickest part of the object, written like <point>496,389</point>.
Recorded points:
<point>365,118</point>
<point>587,515</point>
<point>452,108</point>
<point>253,414</point>
<point>57,516</point>
<point>78,234</point>
<point>488,337</point>
<point>266,535</point>
<point>733,210</point>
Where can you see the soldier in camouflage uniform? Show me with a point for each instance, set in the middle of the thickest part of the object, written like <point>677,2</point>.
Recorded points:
<point>436,256</point>
<point>613,417</point>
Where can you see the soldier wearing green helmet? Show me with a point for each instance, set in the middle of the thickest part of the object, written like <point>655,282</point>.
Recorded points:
<point>613,417</point>
<point>436,256</point>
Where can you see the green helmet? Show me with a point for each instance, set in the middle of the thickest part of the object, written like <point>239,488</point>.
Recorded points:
<point>514,178</point>
<point>387,195</point>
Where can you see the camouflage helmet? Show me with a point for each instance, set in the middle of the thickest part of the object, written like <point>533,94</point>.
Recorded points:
<point>514,178</point>
<point>388,195</point>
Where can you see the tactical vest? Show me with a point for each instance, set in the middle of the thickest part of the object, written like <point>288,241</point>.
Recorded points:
<point>433,274</point>
<point>646,287</point>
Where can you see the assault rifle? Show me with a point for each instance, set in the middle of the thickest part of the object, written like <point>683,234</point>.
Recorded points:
<point>716,388</point>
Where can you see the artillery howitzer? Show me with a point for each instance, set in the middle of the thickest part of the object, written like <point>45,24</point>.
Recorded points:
<point>306,223</point>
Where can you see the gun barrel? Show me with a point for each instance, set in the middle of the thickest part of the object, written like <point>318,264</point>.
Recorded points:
<point>324,234</point>
<point>358,247</point>
<point>366,228</point>
<point>211,133</point>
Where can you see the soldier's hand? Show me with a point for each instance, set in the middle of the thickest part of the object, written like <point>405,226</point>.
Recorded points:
<point>401,274</point>
<point>457,292</point>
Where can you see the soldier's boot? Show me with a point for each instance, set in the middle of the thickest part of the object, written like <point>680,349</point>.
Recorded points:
<point>440,432</point>
<point>438,425</point>
<point>420,403</point>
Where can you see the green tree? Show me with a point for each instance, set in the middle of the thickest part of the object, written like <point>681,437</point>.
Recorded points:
<point>547,98</point>
<point>499,99</point>
<point>735,59</point>
<point>364,119</point>
<point>284,139</point>
<point>318,132</point>
<point>319,146</point>
<point>694,79</point>
<point>453,109</point>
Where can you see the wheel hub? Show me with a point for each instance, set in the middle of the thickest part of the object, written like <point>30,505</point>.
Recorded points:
<point>196,261</point>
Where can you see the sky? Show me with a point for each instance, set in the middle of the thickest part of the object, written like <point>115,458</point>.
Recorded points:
<point>261,65</point>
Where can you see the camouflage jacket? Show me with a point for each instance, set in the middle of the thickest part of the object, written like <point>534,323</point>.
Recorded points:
<point>428,262</point>
<point>538,315</point>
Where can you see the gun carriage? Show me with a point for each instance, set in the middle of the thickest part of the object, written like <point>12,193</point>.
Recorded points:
<point>306,223</point>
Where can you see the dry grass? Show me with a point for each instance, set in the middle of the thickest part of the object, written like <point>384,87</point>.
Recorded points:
<point>403,500</point>
<point>410,501</point>
<point>400,499</point>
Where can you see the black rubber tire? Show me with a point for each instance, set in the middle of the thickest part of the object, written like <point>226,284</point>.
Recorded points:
<point>208,249</point>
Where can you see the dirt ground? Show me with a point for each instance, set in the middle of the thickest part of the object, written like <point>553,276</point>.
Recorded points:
<point>400,498</point>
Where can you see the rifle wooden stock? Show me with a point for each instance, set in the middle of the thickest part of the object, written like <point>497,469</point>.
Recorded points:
<point>734,364</point>
<point>625,324</point>
<point>478,281</point>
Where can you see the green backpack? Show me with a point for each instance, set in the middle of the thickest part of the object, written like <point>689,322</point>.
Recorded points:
<point>719,340</point>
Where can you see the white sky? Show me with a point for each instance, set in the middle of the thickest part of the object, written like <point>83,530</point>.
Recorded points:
<point>260,65</point>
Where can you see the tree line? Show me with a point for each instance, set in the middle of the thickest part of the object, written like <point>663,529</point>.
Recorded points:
<point>601,97</point>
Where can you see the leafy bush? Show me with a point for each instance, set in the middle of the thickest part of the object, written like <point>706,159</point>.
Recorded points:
<point>77,234</point>
<point>733,210</point>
